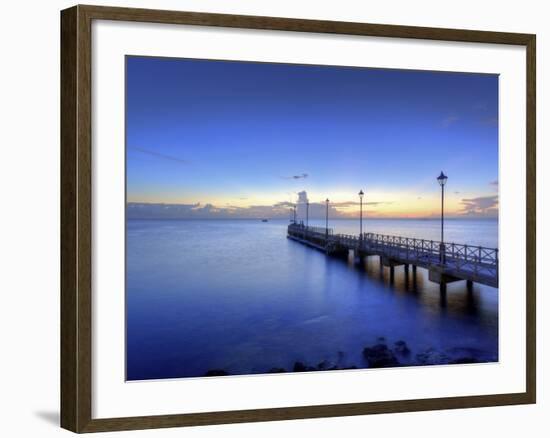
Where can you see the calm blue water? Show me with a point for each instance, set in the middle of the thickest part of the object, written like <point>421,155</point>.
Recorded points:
<point>241,297</point>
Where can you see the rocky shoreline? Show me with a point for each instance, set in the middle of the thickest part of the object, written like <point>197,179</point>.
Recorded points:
<point>385,355</point>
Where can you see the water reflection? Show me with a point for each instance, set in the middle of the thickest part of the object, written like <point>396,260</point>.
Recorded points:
<point>261,301</point>
<point>460,297</point>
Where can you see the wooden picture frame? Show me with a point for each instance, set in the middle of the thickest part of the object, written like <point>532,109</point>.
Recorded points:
<point>76,217</point>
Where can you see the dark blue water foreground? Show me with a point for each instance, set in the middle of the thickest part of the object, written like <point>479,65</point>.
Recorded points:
<point>237,297</point>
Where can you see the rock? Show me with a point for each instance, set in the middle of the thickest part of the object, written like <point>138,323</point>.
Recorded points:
<point>277,370</point>
<point>216,372</point>
<point>300,367</point>
<point>450,356</point>
<point>380,356</point>
<point>432,357</point>
<point>464,360</point>
<point>402,348</point>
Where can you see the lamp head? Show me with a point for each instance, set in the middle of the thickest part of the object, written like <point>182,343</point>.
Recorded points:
<point>442,179</point>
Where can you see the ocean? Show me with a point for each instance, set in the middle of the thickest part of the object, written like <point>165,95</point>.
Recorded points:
<point>238,297</point>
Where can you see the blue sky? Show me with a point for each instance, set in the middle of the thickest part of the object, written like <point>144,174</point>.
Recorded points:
<point>229,138</point>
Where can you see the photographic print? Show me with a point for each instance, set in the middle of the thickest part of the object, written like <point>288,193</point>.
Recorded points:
<point>289,218</point>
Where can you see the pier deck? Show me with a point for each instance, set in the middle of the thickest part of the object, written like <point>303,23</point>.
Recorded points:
<point>445,262</point>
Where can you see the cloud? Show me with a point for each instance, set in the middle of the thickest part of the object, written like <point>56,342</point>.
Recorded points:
<point>136,210</point>
<point>278,210</point>
<point>485,206</point>
<point>300,176</point>
<point>450,120</point>
<point>345,204</point>
<point>283,204</point>
<point>159,155</point>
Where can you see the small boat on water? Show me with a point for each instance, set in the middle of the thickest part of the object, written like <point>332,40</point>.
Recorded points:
<point>264,220</point>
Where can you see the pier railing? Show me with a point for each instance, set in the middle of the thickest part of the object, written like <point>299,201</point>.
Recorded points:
<point>477,263</point>
<point>469,259</point>
<point>313,230</point>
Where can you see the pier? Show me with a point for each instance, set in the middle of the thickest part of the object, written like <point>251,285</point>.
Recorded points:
<point>445,262</point>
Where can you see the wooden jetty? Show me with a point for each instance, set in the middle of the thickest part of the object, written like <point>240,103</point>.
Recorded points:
<point>445,262</point>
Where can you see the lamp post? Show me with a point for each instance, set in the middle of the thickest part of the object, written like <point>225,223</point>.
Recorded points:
<point>307,213</point>
<point>294,208</point>
<point>326,219</point>
<point>442,179</point>
<point>361,215</point>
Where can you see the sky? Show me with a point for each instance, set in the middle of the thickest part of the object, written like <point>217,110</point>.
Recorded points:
<point>223,139</point>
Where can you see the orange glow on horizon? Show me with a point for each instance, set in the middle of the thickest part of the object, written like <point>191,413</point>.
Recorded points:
<point>375,205</point>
